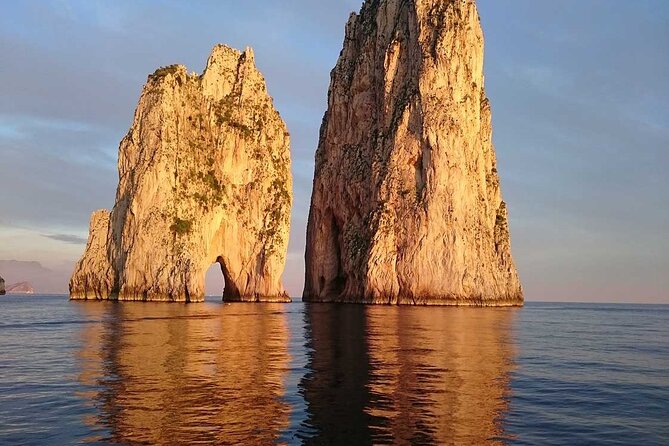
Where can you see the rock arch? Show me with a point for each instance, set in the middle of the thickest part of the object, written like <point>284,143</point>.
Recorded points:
<point>204,171</point>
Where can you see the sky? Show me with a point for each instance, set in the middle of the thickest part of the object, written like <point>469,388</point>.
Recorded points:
<point>579,92</point>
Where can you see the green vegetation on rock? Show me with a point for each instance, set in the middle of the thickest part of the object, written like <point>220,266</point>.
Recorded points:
<point>180,226</point>
<point>224,114</point>
<point>163,71</point>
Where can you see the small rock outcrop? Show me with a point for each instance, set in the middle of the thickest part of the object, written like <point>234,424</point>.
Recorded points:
<point>204,177</point>
<point>406,205</point>
<point>2,286</point>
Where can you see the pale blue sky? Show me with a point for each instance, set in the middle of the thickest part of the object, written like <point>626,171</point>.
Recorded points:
<point>580,98</point>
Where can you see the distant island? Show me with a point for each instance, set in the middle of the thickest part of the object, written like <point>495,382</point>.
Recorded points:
<point>18,288</point>
<point>44,280</point>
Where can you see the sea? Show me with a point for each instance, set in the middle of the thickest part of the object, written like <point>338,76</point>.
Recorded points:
<point>330,374</point>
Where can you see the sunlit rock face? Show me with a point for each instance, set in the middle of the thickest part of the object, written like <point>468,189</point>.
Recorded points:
<point>406,205</point>
<point>204,177</point>
<point>93,275</point>
<point>2,286</point>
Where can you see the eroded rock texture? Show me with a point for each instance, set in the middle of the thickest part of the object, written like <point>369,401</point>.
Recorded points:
<point>406,205</point>
<point>204,177</point>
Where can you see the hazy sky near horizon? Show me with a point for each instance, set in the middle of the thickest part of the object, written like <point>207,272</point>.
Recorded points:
<point>579,92</point>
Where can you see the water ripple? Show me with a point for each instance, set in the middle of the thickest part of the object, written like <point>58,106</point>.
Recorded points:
<point>109,373</point>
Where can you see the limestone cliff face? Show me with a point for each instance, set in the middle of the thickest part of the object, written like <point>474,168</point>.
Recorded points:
<point>2,286</point>
<point>93,276</point>
<point>406,205</point>
<point>204,177</point>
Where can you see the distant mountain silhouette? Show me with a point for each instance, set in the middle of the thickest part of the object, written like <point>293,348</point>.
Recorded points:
<point>40,279</point>
<point>20,288</point>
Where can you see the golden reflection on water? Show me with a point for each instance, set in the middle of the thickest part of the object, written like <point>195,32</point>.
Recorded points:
<point>442,373</point>
<point>175,374</point>
<point>403,375</point>
<point>226,374</point>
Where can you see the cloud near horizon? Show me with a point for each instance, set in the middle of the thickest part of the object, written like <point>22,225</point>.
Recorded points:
<point>67,238</point>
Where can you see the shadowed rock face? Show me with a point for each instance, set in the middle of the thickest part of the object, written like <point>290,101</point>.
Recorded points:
<point>204,177</point>
<point>406,205</point>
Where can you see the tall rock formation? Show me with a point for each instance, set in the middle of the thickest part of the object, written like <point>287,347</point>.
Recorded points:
<point>204,177</point>
<point>2,286</point>
<point>406,205</point>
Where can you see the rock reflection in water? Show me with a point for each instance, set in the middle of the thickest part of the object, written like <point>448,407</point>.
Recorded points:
<point>334,386</point>
<point>311,374</point>
<point>177,374</point>
<point>406,375</point>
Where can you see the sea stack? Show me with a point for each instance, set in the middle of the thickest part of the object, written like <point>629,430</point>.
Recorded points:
<point>406,205</point>
<point>204,177</point>
<point>2,286</point>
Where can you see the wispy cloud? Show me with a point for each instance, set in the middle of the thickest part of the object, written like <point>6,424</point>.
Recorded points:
<point>67,238</point>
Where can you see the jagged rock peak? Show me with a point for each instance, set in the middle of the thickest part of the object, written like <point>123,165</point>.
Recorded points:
<point>406,205</point>
<point>223,55</point>
<point>204,177</point>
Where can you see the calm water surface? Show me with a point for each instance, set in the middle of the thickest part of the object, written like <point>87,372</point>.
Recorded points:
<point>107,373</point>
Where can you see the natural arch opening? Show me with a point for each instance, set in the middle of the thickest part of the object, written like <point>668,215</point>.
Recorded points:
<point>214,282</point>
<point>219,283</point>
